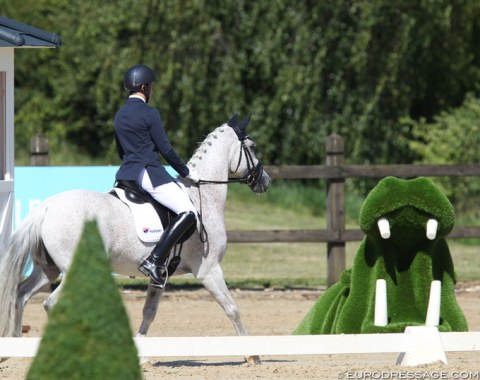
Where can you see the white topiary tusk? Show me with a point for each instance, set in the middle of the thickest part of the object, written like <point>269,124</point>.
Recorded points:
<point>381,313</point>
<point>433,309</point>
<point>432,226</point>
<point>384,228</point>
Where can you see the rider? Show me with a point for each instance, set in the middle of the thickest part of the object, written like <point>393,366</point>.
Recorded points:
<point>140,136</point>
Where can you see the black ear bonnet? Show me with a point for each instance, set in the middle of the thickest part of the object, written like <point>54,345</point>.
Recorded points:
<point>239,126</point>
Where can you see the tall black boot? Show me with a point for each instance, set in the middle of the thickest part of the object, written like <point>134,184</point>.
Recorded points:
<point>155,265</point>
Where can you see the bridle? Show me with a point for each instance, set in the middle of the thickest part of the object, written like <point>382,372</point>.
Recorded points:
<point>254,171</point>
<point>251,178</point>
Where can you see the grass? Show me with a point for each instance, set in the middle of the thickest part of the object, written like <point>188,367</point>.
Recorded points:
<point>294,264</point>
<point>305,265</point>
<point>298,264</point>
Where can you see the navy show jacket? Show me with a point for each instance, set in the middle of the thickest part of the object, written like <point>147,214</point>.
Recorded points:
<point>140,136</point>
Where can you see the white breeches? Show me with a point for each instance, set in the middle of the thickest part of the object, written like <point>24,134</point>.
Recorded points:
<point>172,195</point>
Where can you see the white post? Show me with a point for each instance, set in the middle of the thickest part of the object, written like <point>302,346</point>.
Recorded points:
<point>6,145</point>
<point>424,346</point>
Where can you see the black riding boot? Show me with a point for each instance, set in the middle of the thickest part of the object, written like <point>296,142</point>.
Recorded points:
<point>155,265</point>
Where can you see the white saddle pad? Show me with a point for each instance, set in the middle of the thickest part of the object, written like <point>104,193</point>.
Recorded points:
<point>147,222</point>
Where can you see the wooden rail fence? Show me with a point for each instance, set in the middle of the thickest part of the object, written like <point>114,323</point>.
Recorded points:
<point>335,172</point>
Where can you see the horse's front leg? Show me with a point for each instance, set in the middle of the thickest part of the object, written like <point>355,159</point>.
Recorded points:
<point>150,309</point>
<point>149,312</point>
<point>214,282</point>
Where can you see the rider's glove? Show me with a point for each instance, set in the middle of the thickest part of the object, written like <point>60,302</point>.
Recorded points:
<point>193,175</point>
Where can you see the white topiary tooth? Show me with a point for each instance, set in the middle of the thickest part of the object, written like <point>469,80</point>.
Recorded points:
<point>432,226</point>
<point>381,313</point>
<point>384,228</point>
<point>434,303</point>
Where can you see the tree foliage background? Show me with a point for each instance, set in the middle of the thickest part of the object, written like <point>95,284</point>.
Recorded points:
<point>373,71</point>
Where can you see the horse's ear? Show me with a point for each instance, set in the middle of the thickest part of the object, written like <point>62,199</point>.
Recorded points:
<point>243,124</point>
<point>233,120</point>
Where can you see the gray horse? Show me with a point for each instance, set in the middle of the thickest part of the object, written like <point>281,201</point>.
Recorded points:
<point>50,233</point>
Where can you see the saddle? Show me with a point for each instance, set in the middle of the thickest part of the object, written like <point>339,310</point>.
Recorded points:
<point>135,194</point>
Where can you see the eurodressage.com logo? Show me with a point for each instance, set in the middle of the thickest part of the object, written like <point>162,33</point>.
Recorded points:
<point>361,375</point>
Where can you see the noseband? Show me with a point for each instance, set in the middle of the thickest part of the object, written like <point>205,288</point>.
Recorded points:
<point>254,172</point>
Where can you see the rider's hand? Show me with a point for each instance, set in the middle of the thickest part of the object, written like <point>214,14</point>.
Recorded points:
<point>193,175</point>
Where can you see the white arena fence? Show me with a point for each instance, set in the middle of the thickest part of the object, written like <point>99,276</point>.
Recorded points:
<point>417,345</point>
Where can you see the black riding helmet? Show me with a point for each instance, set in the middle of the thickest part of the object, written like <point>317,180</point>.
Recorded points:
<point>139,75</point>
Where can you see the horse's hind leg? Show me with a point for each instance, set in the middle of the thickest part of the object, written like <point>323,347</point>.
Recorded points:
<point>215,284</point>
<point>30,286</point>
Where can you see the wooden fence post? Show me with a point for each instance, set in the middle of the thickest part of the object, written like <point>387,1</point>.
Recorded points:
<point>335,210</point>
<point>39,150</point>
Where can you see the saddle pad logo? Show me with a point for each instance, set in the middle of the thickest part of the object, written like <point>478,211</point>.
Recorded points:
<point>146,220</point>
<point>147,230</point>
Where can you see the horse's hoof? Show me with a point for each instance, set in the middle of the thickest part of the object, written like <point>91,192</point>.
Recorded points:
<point>254,360</point>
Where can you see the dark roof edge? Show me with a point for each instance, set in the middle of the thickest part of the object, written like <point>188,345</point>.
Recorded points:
<point>13,38</point>
<point>31,30</point>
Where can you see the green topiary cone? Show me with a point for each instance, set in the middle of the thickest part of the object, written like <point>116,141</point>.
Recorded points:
<point>88,334</point>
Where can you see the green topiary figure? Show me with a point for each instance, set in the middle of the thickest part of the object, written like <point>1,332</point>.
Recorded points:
<point>88,334</point>
<point>405,257</point>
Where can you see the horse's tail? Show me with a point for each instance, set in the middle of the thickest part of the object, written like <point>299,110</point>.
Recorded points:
<point>25,241</point>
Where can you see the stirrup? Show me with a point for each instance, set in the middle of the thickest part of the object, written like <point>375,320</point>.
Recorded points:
<point>158,274</point>
<point>158,285</point>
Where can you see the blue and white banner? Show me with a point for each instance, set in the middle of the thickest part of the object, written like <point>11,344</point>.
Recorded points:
<point>34,184</point>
